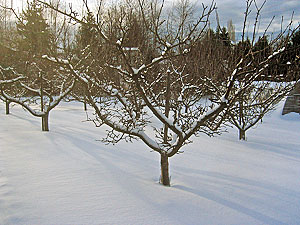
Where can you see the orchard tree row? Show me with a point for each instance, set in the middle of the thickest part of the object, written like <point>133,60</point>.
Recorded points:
<point>140,63</point>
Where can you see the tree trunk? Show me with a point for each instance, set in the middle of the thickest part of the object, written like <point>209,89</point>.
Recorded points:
<point>85,100</point>
<point>42,93</point>
<point>242,135</point>
<point>45,122</point>
<point>7,102</point>
<point>167,108</point>
<point>164,163</point>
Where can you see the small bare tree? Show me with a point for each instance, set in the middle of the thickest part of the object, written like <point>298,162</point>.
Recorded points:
<point>38,99</point>
<point>272,72</point>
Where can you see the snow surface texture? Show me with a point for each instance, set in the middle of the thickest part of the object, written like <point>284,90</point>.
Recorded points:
<point>66,176</point>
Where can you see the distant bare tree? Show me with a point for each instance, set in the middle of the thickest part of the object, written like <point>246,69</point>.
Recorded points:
<point>269,85</point>
<point>43,85</point>
<point>47,94</point>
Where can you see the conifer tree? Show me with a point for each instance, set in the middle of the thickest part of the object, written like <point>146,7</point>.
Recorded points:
<point>86,44</point>
<point>86,34</point>
<point>35,36</point>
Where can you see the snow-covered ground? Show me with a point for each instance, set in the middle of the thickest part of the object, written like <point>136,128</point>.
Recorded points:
<point>66,176</point>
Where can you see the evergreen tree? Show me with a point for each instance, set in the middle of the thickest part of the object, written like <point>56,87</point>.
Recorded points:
<point>223,35</point>
<point>295,45</point>
<point>34,31</point>
<point>296,39</point>
<point>87,46</point>
<point>242,48</point>
<point>86,34</point>
<point>261,48</point>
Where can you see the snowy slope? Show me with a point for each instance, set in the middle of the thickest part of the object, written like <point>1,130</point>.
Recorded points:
<point>66,176</point>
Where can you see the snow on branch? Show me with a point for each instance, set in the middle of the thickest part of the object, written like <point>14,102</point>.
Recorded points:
<point>3,82</point>
<point>23,104</point>
<point>138,131</point>
<point>10,81</point>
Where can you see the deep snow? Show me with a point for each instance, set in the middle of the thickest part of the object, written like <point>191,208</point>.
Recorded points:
<point>66,176</point>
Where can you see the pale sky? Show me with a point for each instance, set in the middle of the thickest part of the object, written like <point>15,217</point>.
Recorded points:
<point>232,9</point>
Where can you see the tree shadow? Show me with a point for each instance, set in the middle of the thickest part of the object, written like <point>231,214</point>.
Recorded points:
<point>287,150</point>
<point>230,204</point>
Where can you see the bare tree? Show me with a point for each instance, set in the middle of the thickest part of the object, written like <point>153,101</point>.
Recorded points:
<point>151,95</point>
<point>252,105</point>
<point>39,99</point>
<point>43,85</point>
<point>266,63</point>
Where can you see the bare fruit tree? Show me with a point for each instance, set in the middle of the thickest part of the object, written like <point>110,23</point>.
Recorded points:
<point>139,83</point>
<point>38,99</point>
<point>43,85</point>
<point>268,62</point>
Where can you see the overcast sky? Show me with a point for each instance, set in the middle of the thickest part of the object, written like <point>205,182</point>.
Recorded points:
<point>234,10</point>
